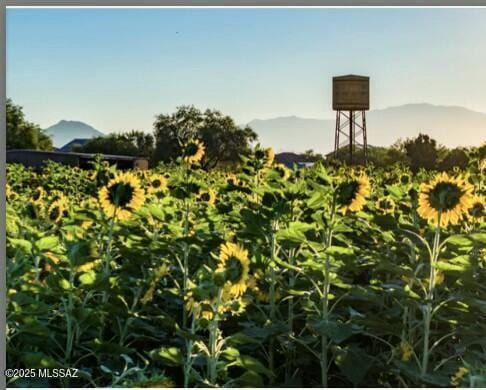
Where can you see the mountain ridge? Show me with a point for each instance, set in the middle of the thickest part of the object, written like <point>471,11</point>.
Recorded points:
<point>65,131</point>
<point>452,126</point>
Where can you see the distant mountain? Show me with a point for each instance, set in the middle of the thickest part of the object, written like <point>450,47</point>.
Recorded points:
<point>450,125</point>
<point>65,131</point>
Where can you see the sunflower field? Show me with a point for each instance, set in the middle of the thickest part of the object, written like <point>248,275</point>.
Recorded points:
<point>328,276</point>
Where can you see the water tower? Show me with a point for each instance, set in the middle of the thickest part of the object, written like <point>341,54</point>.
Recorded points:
<point>350,100</point>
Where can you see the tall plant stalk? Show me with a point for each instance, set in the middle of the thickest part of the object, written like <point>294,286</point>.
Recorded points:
<point>272,295</point>
<point>429,297</point>
<point>325,299</point>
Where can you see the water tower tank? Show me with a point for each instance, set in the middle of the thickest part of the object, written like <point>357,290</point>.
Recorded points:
<point>351,93</point>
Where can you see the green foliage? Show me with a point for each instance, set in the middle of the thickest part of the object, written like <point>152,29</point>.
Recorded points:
<point>454,158</point>
<point>22,134</point>
<point>223,139</point>
<point>330,298</point>
<point>421,152</point>
<point>133,143</point>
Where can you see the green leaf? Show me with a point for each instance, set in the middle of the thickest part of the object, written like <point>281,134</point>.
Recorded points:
<point>19,243</point>
<point>241,338</point>
<point>480,237</point>
<point>102,347</point>
<point>170,356</point>
<point>47,243</point>
<point>354,363</point>
<point>317,200</point>
<point>64,284</point>
<point>339,250</point>
<point>459,240</point>
<point>252,364</point>
<point>336,331</point>
<point>294,233</point>
<point>410,292</point>
<point>88,277</point>
<point>156,212</point>
<point>450,266</point>
<point>250,379</point>
<point>231,353</point>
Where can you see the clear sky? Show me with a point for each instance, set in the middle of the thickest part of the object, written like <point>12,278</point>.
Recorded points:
<point>116,68</point>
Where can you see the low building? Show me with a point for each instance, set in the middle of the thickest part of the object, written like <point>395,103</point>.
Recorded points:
<point>300,160</point>
<point>38,158</point>
<point>72,144</point>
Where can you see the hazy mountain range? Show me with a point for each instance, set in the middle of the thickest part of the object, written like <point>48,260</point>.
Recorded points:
<point>450,125</point>
<point>65,131</point>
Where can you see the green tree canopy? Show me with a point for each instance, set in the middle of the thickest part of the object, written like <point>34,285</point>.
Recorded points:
<point>454,158</point>
<point>22,134</point>
<point>133,143</point>
<point>223,139</point>
<point>421,152</point>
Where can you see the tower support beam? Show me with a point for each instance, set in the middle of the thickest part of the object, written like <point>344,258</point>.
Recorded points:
<point>347,137</point>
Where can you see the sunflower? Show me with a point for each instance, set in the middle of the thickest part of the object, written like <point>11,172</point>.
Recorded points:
<point>457,377</point>
<point>476,212</point>
<point>445,200</point>
<point>235,264</point>
<point>55,211</point>
<point>406,351</point>
<point>386,205</point>
<point>405,179</point>
<point>201,310</point>
<point>208,196</point>
<point>283,171</point>
<point>59,196</point>
<point>269,157</point>
<point>121,196</point>
<point>194,152</point>
<point>157,184</point>
<point>37,195</point>
<point>10,194</point>
<point>351,195</point>
<point>231,179</point>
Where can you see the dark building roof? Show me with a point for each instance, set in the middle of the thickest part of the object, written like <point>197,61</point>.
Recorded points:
<point>289,159</point>
<point>82,155</point>
<point>37,158</point>
<point>69,146</point>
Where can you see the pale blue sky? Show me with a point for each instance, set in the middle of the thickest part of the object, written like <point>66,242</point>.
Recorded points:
<point>116,68</point>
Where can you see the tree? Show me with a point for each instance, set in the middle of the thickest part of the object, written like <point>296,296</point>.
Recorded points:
<point>421,152</point>
<point>223,139</point>
<point>22,134</point>
<point>454,158</point>
<point>133,143</point>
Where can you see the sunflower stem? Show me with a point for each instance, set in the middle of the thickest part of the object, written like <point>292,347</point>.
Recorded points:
<point>106,265</point>
<point>213,340</point>
<point>427,310</point>
<point>325,300</point>
<point>272,293</point>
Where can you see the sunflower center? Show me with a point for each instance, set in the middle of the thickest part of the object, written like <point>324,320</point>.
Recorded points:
<point>156,183</point>
<point>234,269</point>
<point>191,149</point>
<point>36,195</point>
<point>477,210</point>
<point>120,194</point>
<point>281,171</point>
<point>205,197</point>
<point>347,192</point>
<point>445,196</point>
<point>54,213</point>
<point>259,154</point>
<point>384,204</point>
<point>404,179</point>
